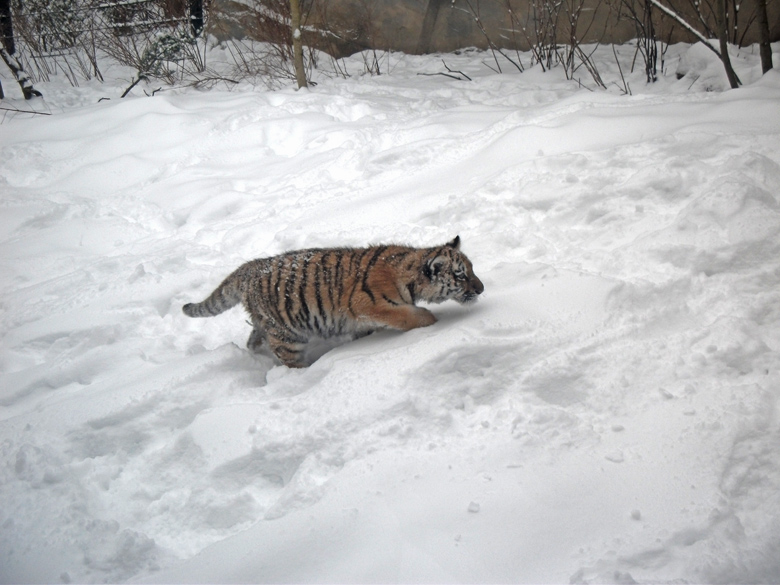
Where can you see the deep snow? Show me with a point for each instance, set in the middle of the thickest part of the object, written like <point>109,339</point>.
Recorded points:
<point>609,411</point>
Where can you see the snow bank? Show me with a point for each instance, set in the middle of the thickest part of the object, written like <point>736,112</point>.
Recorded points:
<point>608,412</point>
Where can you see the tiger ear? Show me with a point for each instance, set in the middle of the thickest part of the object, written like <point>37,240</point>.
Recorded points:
<point>454,243</point>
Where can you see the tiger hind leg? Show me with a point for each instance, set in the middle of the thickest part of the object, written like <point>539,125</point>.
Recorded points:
<point>289,348</point>
<point>255,341</point>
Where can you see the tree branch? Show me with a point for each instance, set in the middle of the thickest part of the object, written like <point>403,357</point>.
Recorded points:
<point>688,27</point>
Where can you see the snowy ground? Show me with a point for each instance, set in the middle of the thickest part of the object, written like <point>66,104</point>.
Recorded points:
<point>608,412</point>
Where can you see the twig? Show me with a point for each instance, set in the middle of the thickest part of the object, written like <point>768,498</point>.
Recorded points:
<point>455,77</point>
<point>626,88</point>
<point>450,74</point>
<point>140,78</point>
<point>210,81</point>
<point>493,69</point>
<point>454,71</point>
<point>17,110</point>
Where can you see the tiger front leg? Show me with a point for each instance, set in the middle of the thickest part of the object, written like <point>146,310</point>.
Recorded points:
<point>402,317</point>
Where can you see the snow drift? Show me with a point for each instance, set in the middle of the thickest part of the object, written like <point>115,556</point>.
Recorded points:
<point>608,411</point>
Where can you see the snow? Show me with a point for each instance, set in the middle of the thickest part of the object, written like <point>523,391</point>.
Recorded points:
<point>609,411</point>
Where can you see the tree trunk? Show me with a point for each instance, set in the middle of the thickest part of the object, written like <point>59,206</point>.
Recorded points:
<point>6,27</point>
<point>720,16</point>
<point>6,32</point>
<point>428,24</point>
<point>196,16</point>
<point>295,17</point>
<point>651,45</point>
<point>765,48</point>
<point>22,78</point>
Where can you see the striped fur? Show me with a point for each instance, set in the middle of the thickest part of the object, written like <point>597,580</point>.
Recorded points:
<point>297,296</point>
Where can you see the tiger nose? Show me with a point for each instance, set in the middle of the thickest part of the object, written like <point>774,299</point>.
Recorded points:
<point>478,286</point>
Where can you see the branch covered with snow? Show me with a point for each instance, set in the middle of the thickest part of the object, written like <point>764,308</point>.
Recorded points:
<point>687,26</point>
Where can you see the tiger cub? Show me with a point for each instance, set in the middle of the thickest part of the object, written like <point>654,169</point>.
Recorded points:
<point>323,293</point>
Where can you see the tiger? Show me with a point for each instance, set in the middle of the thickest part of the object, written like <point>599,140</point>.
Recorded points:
<point>322,293</point>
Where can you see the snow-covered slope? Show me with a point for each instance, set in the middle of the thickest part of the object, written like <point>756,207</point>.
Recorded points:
<point>608,411</point>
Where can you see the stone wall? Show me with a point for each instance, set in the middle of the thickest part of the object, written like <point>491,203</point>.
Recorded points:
<point>342,27</point>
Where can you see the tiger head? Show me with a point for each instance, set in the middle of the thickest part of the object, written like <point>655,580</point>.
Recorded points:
<point>447,274</point>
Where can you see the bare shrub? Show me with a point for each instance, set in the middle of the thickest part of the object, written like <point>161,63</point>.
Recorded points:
<point>553,31</point>
<point>473,7</point>
<point>267,56</point>
<point>57,36</point>
<point>67,37</point>
<point>154,37</point>
<point>640,12</point>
